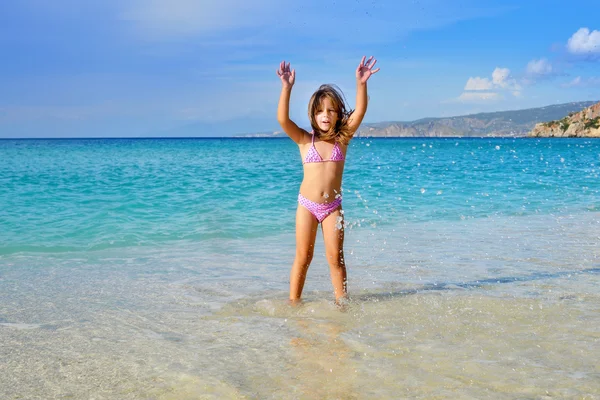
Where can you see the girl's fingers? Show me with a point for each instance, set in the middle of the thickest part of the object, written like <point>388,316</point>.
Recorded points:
<point>362,61</point>
<point>374,70</point>
<point>284,69</point>
<point>372,65</point>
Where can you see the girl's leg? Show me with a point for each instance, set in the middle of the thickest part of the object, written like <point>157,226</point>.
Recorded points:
<point>306,231</point>
<point>333,235</point>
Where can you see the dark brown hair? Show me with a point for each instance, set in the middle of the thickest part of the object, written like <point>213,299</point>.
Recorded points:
<point>340,132</point>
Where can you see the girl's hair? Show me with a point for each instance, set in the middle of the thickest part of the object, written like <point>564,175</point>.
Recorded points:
<point>340,132</point>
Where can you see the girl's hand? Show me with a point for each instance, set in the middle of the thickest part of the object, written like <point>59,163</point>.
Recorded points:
<point>365,69</point>
<point>287,77</point>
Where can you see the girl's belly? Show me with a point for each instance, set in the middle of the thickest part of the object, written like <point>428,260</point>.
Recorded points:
<point>322,182</point>
<point>319,191</point>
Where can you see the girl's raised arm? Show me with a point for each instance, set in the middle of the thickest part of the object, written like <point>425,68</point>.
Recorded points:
<point>287,77</point>
<point>363,73</point>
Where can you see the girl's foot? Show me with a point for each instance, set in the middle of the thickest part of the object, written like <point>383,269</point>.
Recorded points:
<point>342,303</point>
<point>294,302</point>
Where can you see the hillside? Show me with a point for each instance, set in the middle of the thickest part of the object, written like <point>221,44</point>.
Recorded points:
<point>516,123</point>
<point>585,123</point>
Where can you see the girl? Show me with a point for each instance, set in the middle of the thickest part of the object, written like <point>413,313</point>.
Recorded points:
<point>323,153</point>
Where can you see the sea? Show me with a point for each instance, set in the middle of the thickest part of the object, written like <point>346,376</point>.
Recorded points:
<point>159,269</point>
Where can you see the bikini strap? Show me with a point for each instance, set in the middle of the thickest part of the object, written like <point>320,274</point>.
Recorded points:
<point>313,137</point>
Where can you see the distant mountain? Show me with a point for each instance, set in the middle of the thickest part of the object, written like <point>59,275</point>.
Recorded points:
<point>517,123</point>
<point>585,123</point>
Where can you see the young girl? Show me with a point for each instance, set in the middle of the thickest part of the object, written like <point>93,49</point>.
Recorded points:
<point>323,152</point>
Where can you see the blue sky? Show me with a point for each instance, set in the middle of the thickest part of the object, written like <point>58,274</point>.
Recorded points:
<point>73,68</point>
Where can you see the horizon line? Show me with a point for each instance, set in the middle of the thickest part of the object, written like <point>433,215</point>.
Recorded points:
<point>273,137</point>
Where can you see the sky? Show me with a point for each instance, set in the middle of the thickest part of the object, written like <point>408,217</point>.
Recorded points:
<point>132,68</point>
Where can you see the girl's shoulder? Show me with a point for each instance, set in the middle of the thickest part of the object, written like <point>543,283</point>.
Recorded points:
<point>307,138</point>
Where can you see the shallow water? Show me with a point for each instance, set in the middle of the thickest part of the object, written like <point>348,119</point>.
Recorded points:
<point>159,324</point>
<point>413,343</point>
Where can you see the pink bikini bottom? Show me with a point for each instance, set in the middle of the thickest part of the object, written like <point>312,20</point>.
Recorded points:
<point>320,210</point>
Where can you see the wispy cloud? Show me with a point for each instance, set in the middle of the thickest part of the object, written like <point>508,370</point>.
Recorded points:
<point>244,100</point>
<point>537,68</point>
<point>66,113</point>
<point>478,96</point>
<point>253,31</point>
<point>161,19</point>
<point>582,82</point>
<point>365,22</point>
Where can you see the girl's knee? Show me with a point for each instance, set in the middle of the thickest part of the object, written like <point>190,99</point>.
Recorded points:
<point>337,264</point>
<point>335,259</point>
<point>304,258</point>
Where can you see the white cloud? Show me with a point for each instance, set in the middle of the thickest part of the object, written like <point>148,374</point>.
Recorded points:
<point>584,42</point>
<point>479,89</point>
<point>500,76</point>
<point>539,68</point>
<point>478,83</point>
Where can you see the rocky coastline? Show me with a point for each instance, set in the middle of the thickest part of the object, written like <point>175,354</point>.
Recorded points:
<point>582,124</point>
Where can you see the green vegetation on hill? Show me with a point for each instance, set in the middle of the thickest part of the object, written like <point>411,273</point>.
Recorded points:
<point>593,123</point>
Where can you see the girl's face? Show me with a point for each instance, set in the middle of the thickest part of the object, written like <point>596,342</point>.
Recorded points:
<point>326,115</point>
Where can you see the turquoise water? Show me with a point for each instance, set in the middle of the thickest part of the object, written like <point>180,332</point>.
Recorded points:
<point>80,195</point>
<point>158,269</point>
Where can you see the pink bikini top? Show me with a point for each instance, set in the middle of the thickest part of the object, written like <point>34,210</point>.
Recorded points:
<point>313,155</point>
